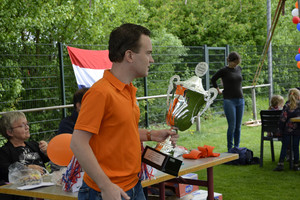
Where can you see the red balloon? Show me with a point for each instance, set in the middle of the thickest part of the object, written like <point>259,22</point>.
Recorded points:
<point>296,20</point>
<point>298,64</point>
<point>59,151</point>
<point>299,50</point>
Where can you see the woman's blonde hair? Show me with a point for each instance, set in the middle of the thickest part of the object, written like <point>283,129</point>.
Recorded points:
<point>8,119</point>
<point>294,95</point>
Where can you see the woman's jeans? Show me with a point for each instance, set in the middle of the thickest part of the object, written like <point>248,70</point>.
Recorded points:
<point>87,193</point>
<point>285,143</point>
<point>234,110</point>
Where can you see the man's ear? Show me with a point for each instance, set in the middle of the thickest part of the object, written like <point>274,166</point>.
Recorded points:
<point>128,56</point>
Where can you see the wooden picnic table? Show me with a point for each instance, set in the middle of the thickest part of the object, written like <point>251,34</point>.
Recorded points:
<point>55,192</point>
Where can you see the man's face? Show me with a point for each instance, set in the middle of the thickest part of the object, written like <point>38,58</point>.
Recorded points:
<point>143,58</point>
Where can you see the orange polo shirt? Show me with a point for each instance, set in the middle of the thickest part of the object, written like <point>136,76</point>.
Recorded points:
<point>109,110</point>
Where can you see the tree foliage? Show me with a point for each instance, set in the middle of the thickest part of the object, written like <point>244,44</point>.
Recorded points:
<point>81,21</point>
<point>215,23</point>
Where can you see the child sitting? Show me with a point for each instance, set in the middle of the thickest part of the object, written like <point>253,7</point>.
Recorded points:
<point>287,128</point>
<point>276,103</point>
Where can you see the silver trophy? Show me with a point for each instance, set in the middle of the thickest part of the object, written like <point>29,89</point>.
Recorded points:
<point>186,100</point>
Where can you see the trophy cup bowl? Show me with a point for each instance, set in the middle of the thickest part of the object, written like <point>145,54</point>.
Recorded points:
<point>189,101</point>
<point>186,100</point>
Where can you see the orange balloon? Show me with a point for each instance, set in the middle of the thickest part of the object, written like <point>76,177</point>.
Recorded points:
<point>59,151</point>
<point>298,64</point>
<point>296,4</point>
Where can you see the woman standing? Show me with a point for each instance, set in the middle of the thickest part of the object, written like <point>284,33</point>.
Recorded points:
<point>233,103</point>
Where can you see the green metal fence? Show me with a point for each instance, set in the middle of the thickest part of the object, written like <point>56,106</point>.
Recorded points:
<point>41,75</point>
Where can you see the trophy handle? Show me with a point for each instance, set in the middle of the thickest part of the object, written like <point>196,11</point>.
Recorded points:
<point>170,88</point>
<point>209,100</point>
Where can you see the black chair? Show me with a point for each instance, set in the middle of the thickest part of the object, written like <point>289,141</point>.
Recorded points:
<point>269,124</point>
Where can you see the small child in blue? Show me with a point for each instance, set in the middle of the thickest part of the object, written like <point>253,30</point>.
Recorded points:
<point>287,128</point>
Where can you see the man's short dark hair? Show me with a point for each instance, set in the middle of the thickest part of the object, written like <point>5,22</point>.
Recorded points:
<point>77,97</point>
<point>123,38</point>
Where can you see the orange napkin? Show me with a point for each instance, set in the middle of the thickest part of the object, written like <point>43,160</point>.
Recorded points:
<point>194,154</point>
<point>207,151</point>
<point>203,152</point>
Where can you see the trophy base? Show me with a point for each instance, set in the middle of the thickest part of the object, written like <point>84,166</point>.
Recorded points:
<point>161,161</point>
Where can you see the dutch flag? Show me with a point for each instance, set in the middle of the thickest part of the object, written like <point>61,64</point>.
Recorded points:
<point>88,65</point>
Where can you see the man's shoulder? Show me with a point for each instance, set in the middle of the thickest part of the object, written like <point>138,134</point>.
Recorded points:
<point>102,89</point>
<point>101,85</point>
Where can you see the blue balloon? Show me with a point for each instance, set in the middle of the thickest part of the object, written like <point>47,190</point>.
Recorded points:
<point>297,57</point>
<point>298,26</point>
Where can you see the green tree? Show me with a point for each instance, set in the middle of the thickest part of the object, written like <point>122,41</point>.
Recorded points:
<point>80,21</point>
<point>286,32</point>
<point>215,23</point>
<point>27,24</point>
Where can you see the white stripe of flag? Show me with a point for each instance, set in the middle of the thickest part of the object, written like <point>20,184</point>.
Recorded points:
<point>88,65</point>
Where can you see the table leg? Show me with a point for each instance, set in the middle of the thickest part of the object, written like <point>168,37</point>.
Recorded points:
<point>210,186</point>
<point>162,191</point>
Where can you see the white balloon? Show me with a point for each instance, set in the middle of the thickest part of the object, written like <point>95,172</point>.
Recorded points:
<point>295,12</point>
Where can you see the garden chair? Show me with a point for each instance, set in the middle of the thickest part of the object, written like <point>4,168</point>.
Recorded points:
<point>269,124</point>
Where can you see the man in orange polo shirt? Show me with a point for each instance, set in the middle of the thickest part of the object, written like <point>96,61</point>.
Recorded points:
<point>106,139</point>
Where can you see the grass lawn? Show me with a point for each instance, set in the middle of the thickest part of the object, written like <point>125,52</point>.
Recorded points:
<point>249,182</point>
